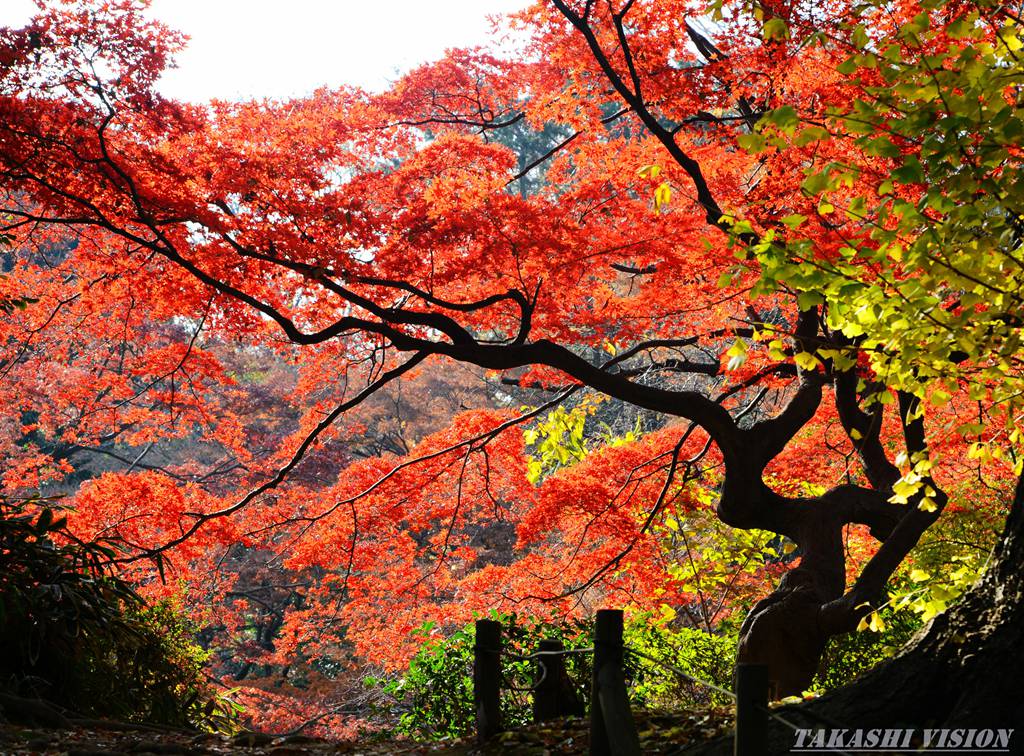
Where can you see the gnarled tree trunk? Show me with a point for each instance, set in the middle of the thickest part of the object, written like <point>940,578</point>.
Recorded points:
<point>790,629</point>
<point>964,670</point>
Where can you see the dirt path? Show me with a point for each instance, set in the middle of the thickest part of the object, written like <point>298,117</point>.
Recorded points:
<point>660,733</point>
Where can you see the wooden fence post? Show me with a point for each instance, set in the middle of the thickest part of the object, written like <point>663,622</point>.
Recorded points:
<point>550,669</point>
<point>612,730</point>
<point>751,710</point>
<point>487,679</point>
<point>555,695</point>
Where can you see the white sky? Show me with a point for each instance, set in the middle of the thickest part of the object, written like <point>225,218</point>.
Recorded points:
<point>269,48</point>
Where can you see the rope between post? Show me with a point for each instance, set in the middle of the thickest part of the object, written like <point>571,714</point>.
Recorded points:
<point>539,654</point>
<point>813,715</point>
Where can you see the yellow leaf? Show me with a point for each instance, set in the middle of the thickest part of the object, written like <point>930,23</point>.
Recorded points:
<point>739,347</point>
<point>806,360</point>
<point>737,355</point>
<point>662,195</point>
<point>875,623</point>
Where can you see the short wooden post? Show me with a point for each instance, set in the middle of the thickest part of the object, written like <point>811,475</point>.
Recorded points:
<point>550,668</point>
<point>612,730</point>
<point>751,710</point>
<point>487,679</point>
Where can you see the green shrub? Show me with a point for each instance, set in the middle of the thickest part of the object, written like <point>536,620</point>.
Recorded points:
<point>700,655</point>
<point>80,637</point>
<point>434,696</point>
<point>850,655</point>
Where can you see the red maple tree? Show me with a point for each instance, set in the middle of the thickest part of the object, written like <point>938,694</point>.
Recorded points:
<point>564,218</point>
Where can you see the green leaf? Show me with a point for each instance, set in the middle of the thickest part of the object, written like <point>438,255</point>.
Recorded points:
<point>860,37</point>
<point>910,172</point>
<point>784,118</point>
<point>775,29</point>
<point>807,299</point>
<point>754,142</point>
<point>816,183</point>
<point>810,135</point>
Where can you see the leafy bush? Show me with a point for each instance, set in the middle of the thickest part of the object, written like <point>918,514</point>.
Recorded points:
<point>701,656</point>
<point>850,655</point>
<point>80,637</point>
<point>435,694</point>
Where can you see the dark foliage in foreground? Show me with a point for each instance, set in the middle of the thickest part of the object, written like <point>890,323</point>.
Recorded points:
<point>83,639</point>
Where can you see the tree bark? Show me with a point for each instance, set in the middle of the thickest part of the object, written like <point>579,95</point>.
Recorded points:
<point>790,628</point>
